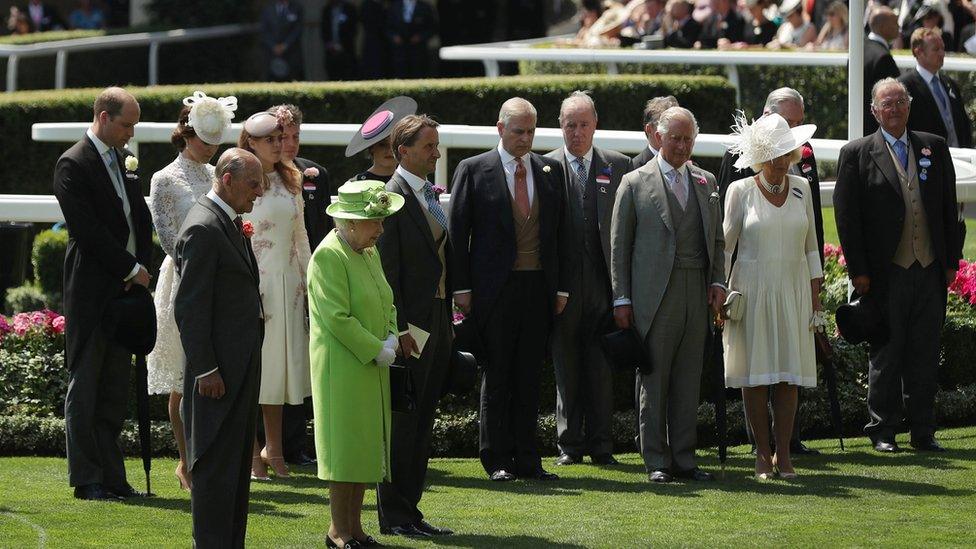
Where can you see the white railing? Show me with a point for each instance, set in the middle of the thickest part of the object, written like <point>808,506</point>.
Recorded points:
<point>44,208</point>
<point>61,48</point>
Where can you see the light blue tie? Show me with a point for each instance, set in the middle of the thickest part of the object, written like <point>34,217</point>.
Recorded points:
<point>944,110</point>
<point>434,205</point>
<point>901,151</point>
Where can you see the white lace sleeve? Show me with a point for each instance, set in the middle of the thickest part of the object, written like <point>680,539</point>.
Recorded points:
<point>732,224</point>
<point>302,248</point>
<point>166,192</point>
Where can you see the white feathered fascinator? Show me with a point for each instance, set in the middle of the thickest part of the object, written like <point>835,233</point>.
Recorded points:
<point>765,139</point>
<point>210,117</point>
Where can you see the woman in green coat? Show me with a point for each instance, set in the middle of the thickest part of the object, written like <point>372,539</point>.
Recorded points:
<point>352,343</point>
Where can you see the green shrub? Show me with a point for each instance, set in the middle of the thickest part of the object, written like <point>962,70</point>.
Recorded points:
<point>44,436</point>
<point>47,257</point>
<point>457,101</point>
<point>30,297</point>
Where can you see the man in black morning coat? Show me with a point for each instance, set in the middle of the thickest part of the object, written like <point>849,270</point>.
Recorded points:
<point>878,62</point>
<point>895,205</point>
<point>218,311</point>
<point>510,271</point>
<point>109,247</point>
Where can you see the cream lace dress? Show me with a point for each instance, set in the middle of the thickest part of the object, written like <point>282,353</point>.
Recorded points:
<point>777,258</point>
<point>281,247</point>
<point>173,191</point>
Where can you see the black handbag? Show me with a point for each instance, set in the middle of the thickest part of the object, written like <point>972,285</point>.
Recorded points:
<point>403,392</point>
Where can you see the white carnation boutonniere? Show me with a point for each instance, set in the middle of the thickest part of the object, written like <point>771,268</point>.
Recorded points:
<point>131,163</point>
<point>311,172</point>
<point>546,169</point>
<point>713,198</point>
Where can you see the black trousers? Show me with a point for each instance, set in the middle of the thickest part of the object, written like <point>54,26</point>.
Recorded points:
<point>294,430</point>
<point>515,336</point>
<point>222,476</point>
<point>397,501</point>
<point>902,375</point>
<point>95,408</point>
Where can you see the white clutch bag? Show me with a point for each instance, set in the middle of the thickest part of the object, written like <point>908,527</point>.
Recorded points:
<point>734,306</point>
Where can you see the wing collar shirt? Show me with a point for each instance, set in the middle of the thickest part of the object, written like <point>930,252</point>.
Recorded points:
<point>416,184</point>
<point>105,153</point>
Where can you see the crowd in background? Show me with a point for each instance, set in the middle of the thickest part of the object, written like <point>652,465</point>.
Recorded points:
<point>38,16</point>
<point>735,24</point>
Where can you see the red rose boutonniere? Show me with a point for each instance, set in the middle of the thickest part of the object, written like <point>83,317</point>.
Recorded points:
<point>438,190</point>
<point>247,229</point>
<point>701,179</point>
<point>806,152</point>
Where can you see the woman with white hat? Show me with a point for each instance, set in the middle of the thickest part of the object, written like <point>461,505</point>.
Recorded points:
<point>769,340</point>
<point>172,192</point>
<point>282,251</point>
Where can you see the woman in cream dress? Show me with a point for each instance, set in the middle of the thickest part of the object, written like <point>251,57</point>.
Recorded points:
<point>282,251</point>
<point>769,219</point>
<point>172,192</point>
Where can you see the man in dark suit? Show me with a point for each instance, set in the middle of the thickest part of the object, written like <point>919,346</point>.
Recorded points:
<point>584,380</point>
<point>218,311</point>
<point>511,273</point>
<point>109,247</point>
<point>340,25</point>
<point>411,24</point>
<point>416,251</point>
<point>878,62</point>
<point>895,204</point>
<point>937,103</point>
<point>788,103</point>
<point>724,26</point>
<point>316,193</point>
<point>281,36</point>
<point>652,113</point>
<point>683,30</point>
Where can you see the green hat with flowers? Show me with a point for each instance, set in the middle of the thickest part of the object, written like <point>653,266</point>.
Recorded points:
<point>365,199</point>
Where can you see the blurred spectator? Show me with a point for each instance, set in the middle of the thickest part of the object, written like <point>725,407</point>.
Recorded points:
<point>796,31</point>
<point>722,27</point>
<point>681,30</point>
<point>465,22</point>
<point>86,17</point>
<point>833,35</point>
<point>759,29</point>
<point>17,22</point>
<point>646,17</point>
<point>43,17</point>
<point>878,62</point>
<point>281,36</point>
<point>340,25</point>
<point>933,14</point>
<point>606,29</point>
<point>410,25</point>
<point>376,42</point>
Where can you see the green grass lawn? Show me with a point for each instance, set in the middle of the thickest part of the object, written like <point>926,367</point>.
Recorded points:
<point>854,498</point>
<point>968,249</point>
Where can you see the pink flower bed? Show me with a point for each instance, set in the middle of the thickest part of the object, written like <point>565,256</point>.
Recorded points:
<point>42,322</point>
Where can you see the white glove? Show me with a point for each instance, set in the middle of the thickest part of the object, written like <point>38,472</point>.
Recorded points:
<point>818,322</point>
<point>392,342</point>
<point>385,357</point>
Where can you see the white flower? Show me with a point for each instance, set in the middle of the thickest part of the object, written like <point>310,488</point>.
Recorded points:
<point>131,163</point>
<point>546,169</point>
<point>311,172</point>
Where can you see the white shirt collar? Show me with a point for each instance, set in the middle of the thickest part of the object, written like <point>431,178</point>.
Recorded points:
<point>879,39</point>
<point>416,183</point>
<point>665,167</point>
<point>507,156</point>
<point>100,146</point>
<point>212,195</point>
<point>926,75</point>
<point>652,149</point>
<point>588,156</point>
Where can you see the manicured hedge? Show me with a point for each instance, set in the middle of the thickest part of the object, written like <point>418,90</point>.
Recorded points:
<point>28,166</point>
<point>824,89</point>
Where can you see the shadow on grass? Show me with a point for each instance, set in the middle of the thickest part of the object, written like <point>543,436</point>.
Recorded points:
<point>483,540</point>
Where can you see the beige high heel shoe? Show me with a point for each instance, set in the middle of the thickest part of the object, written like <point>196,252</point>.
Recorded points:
<point>277,464</point>
<point>259,470</point>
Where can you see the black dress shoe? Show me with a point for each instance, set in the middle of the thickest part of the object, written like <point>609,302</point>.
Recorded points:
<point>542,474</point>
<point>695,474</point>
<point>928,445</point>
<point>429,528</point>
<point>797,448</point>
<point>661,476</point>
<point>604,459</point>
<point>96,492</point>
<point>407,531</point>
<point>300,459</point>
<point>568,459</point>
<point>502,475</point>
<point>127,491</point>
<point>886,447</point>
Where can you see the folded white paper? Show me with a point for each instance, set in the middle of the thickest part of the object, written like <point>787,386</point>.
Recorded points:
<point>420,336</point>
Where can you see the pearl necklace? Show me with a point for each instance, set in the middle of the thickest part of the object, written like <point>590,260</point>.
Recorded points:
<point>771,189</point>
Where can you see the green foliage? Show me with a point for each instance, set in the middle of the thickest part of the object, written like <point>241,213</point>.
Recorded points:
<point>33,380</point>
<point>44,436</point>
<point>457,101</point>
<point>47,258</point>
<point>50,36</point>
<point>27,297</point>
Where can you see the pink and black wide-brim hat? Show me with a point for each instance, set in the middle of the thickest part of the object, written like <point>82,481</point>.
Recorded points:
<point>379,124</point>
